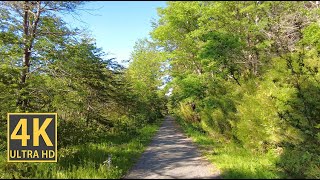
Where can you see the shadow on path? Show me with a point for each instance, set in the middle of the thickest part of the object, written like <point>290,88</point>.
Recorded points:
<point>172,155</point>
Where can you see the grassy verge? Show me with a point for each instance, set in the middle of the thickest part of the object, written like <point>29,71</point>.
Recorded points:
<point>87,161</point>
<point>233,161</point>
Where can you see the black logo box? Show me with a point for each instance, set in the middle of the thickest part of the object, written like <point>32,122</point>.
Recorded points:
<point>16,145</point>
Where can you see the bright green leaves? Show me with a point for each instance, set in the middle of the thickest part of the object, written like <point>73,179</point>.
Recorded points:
<point>145,75</point>
<point>191,86</point>
<point>222,49</point>
<point>250,69</point>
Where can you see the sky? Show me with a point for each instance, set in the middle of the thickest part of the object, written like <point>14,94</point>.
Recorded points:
<point>116,25</point>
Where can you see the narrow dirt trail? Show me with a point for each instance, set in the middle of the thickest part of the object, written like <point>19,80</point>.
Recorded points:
<point>172,155</point>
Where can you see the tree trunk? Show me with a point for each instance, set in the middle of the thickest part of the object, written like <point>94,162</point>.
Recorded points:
<point>26,56</point>
<point>29,33</point>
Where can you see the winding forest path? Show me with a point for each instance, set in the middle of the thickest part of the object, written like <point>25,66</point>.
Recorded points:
<point>172,155</point>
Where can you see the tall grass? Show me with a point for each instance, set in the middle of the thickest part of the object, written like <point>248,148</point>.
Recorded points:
<point>233,161</point>
<point>88,160</point>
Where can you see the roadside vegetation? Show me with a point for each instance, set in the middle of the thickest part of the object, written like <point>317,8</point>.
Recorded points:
<point>242,79</point>
<point>245,83</point>
<point>233,161</point>
<point>105,111</point>
<point>89,160</point>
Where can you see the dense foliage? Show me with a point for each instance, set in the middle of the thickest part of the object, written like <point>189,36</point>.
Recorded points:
<point>245,74</point>
<point>47,67</point>
<point>248,72</point>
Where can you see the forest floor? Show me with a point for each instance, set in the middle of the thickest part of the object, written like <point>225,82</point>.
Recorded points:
<point>171,154</point>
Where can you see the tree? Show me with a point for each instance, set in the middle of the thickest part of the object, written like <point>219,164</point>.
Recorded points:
<point>246,71</point>
<point>37,26</point>
<point>144,73</point>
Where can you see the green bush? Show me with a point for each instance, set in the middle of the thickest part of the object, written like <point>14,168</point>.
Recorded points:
<point>300,163</point>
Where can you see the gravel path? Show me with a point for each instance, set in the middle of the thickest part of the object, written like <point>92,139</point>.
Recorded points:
<point>172,155</point>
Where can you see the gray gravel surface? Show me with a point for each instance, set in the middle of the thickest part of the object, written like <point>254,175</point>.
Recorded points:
<point>172,155</point>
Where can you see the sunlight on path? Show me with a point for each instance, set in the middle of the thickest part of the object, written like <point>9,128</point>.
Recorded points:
<point>172,155</point>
